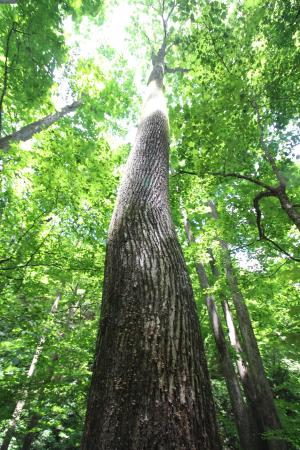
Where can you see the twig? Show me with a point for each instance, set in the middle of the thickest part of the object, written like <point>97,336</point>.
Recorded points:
<point>171,11</point>
<point>245,177</point>
<point>269,275</point>
<point>216,49</point>
<point>187,172</point>
<point>233,175</point>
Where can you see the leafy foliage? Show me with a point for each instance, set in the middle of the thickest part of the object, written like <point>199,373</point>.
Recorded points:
<point>237,105</point>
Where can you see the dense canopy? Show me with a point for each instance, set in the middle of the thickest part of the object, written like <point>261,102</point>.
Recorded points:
<point>72,74</point>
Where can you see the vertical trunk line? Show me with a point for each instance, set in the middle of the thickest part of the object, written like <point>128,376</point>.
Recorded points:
<point>149,357</point>
<point>247,435</point>
<point>265,404</point>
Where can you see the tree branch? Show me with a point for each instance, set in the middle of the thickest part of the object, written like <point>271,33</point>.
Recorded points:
<point>261,232</point>
<point>171,11</point>
<point>245,177</point>
<point>23,235</point>
<point>175,69</point>
<point>265,147</point>
<point>234,175</point>
<point>29,130</point>
<point>187,172</point>
<point>256,201</point>
<point>220,56</point>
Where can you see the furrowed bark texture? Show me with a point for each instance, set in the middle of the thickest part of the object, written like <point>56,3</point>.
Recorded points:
<point>150,387</point>
<point>265,404</point>
<point>247,435</point>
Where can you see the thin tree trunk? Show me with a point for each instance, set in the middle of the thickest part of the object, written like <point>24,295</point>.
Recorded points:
<point>235,342</point>
<point>21,403</point>
<point>30,436</point>
<point>28,131</point>
<point>150,387</point>
<point>247,435</point>
<point>245,376</point>
<point>242,368</point>
<point>264,397</point>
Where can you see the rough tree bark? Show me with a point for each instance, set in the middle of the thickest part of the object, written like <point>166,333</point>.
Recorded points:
<point>264,397</point>
<point>29,130</point>
<point>9,433</point>
<point>247,434</point>
<point>150,387</point>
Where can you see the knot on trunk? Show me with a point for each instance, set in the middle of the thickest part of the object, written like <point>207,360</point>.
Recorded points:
<point>157,74</point>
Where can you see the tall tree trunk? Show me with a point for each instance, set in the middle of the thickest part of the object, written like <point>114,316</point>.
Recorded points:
<point>28,131</point>
<point>21,403</point>
<point>247,435</point>
<point>150,387</point>
<point>264,397</point>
